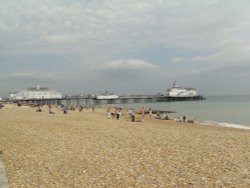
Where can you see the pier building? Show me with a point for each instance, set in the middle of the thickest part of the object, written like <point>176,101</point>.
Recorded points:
<point>36,93</point>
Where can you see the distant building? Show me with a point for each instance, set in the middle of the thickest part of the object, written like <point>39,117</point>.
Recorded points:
<point>36,93</point>
<point>177,91</point>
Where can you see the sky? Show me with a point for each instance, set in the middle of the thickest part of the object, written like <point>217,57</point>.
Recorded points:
<point>125,46</point>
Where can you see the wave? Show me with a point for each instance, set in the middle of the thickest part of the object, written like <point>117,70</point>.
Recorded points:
<point>223,124</point>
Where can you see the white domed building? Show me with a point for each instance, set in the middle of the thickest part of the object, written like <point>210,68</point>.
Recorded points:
<point>36,93</point>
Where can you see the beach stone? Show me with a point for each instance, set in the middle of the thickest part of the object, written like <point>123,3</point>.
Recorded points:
<point>89,150</point>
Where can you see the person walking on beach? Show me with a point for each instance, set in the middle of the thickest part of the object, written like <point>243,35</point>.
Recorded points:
<point>142,114</point>
<point>118,114</point>
<point>184,119</point>
<point>50,109</point>
<point>109,113</point>
<point>129,113</point>
<point>132,115</point>
<point>150,113</point>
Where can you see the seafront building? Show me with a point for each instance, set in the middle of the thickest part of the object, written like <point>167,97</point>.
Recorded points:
<point>177,91</point>
<point>36,93</point>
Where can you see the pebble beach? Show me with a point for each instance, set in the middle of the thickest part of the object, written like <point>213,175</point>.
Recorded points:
<point>87,149</point>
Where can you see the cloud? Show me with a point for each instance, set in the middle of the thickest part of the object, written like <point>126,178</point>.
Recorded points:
<point>132,64</point>
<point>101,40</point>
<point>199,59</point>
<point>31,76</point>
<point>126,67</point>
<point>230,55</point>
<point>123,25</point>
<point>124,71</point>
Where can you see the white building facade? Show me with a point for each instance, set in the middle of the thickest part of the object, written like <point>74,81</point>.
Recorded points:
<point>177,91</point>
<point>182,92</point>
<point>36,93</point>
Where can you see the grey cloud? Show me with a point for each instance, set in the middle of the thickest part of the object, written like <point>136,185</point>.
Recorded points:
<point>88,33</point>
<point>141,22</point>
<point>126,76</point>
<point>127,68</point>
<point>31,76</point>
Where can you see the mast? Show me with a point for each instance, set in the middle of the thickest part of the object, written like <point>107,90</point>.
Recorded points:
<point>174,84</point>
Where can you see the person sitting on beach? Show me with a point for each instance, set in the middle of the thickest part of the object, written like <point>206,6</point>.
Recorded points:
<point>158,116</point>
<point>64,109</point>
<point>38,109</point>
<point>1,106</point>
<point>72,108</point>
<point>80,108</point>
<point>177,119</point>
<point>164,116</point>
<point>113,114</point>
<point>190,121</point>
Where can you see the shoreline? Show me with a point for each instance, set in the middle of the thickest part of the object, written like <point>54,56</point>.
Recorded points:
<point>223,124</point>
<point>201,122</point>
<point>197,121</point>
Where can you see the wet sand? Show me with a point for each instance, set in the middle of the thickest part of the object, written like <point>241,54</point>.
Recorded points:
<point>86,149</point>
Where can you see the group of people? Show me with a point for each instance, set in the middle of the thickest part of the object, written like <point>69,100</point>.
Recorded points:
<point>183,119</point>
<point>114,114</point>
<point>86,107</point>
<point>117,112</point>
<point>64,108</point>
<point>163,116</point>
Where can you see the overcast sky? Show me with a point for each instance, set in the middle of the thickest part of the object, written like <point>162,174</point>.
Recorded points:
<point>125,46</point>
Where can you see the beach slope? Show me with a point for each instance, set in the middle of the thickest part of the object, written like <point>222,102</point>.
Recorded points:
<point>86,149</point>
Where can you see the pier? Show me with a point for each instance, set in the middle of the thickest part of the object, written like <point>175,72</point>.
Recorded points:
<point>89,101</point>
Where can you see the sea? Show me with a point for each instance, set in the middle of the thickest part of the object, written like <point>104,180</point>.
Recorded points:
<point>228,111</point>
